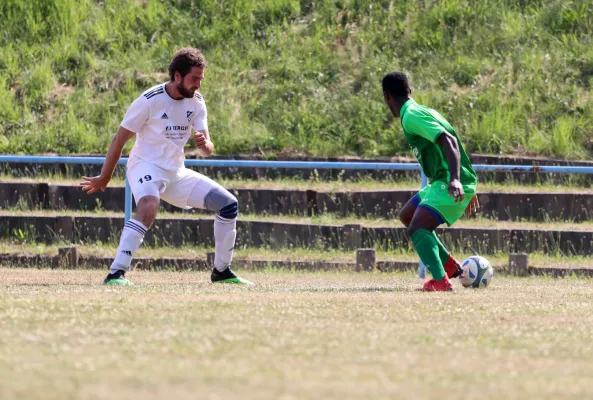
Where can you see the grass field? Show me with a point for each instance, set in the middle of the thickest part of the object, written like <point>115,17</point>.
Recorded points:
<point>322,219</point>
<point>498,260</point>
<point>302,76</point>
<point>337,185</point>
<point>305,336</point>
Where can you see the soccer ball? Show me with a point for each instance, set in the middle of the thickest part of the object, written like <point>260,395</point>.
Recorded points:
<point>477,272</point>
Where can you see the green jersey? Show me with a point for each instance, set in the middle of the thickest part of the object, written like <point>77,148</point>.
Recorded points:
<point>422,127</point>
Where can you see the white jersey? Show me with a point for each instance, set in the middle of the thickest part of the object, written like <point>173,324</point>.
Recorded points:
<point>163,127</point>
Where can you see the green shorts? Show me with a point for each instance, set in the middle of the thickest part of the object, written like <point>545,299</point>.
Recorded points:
<point>436,198</point>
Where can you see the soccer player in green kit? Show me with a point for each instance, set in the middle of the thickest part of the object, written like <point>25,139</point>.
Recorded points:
<point>451,185</point>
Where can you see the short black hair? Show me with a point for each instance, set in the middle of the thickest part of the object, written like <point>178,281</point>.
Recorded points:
<point>396,83</point>
<point>184,59</point>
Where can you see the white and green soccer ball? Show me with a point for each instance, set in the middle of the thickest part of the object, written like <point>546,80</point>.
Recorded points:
<point>477,272</point>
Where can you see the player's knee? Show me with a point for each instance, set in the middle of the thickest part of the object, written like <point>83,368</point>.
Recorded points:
<point>415,225</point>
<point>230,211</point>
<point>222,202</point>
<point>147,209</point>
<point>413,228</point>
<point>405,217</point>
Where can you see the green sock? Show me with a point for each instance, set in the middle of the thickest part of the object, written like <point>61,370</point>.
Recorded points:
<point>427,247</point>
<point>443,252</point>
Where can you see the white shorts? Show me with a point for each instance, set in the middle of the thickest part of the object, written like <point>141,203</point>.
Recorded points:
<point>147,179</point>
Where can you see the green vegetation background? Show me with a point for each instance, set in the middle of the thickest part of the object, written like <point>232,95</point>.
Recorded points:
<point>303,76</point>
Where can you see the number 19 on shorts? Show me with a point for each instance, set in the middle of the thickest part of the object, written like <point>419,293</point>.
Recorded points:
<point>146,178</point>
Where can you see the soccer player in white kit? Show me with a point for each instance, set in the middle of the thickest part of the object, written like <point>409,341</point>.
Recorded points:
<point>163,119</point>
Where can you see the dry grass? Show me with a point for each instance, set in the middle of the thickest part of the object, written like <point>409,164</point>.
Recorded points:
<point>386,184</point>
<point>499,260</point>
<point>335,185</point>
<point>305,336</point>
<point>53,180</point>
<point>323,219</point>
<point>335,219</point>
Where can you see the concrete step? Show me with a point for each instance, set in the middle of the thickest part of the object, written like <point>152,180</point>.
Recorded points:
<point>503,206</point>
<point>170,231</point>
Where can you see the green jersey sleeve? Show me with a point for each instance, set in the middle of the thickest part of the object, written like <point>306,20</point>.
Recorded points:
<point>422,124</point>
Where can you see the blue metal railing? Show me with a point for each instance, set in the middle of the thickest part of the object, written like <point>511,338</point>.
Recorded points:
<point>301,164</point>
<point>293,165</point>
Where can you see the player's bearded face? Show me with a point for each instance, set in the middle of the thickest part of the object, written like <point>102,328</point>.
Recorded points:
<point>188,84</point>
<point>185,91</point>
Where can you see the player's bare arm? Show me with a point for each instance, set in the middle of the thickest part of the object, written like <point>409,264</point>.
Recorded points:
<point>449,144</point>
<point>203,143</point>
<point>96,183</point>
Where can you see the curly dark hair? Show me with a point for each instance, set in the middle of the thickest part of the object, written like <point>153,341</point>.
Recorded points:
<point>184,59</point>
<point>396,83</point>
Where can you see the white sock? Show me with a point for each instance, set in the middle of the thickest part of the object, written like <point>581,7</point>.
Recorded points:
<point>225,232</point>
<point>131,239</point>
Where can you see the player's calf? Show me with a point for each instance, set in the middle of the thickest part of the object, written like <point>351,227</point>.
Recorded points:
<point>226,207</point>
<point>225,234</point>
<point>131,238</point>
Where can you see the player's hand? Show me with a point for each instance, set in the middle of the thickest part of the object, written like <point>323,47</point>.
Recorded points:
<point>473,206</point>
<point>456,190</point>
<point>203,144</point>
<point>94,184</point>
<point>201,141</point>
